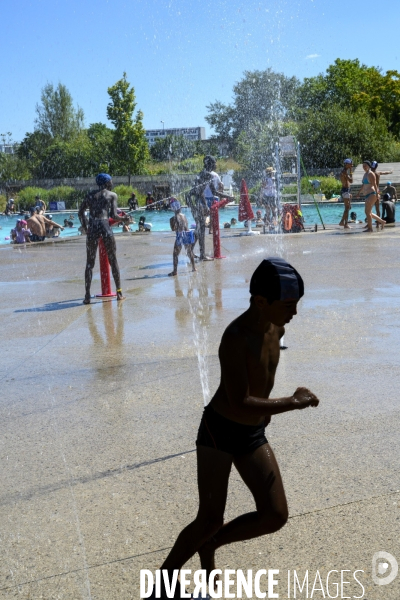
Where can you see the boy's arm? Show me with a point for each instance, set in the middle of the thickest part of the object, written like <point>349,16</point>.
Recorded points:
<point>81,214</point>
<point>235,381</point>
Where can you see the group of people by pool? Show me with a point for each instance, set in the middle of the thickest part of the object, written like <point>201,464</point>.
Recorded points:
<point>370,192</point>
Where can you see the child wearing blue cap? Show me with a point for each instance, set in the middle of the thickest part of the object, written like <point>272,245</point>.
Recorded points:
<point>184,237</point>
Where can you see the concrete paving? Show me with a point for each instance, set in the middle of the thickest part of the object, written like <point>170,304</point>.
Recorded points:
<point>100,407</point>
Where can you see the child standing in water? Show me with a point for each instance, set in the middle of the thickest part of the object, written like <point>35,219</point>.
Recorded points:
<point>232,429</point>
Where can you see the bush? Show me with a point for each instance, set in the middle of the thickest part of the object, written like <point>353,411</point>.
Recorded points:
<point>26,197</point>
<point>124,192</point>
<point>3,202</point>
<point>329,186</point>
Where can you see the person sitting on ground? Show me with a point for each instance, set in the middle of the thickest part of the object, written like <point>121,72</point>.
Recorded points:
<point>20,234</point>
<point>390,189</point>
<point>132,202</point>
<point>232,428</point>
<point>388,209</point>
<point>179,224</point>
<point>68,223</point>
<point>37,224</point>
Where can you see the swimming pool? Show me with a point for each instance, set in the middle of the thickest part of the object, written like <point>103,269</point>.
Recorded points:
<point>331,214</point>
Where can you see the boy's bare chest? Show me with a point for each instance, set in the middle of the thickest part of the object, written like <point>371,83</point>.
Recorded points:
<point>262,358</point>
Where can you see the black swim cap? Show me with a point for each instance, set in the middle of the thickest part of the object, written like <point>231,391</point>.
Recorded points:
<point>276,279</point>
<point>367,162</point>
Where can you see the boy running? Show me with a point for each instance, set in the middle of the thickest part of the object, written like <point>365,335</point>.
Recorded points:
<point>232,429</point>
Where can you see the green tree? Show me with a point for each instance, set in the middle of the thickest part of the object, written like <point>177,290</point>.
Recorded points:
<point>101,141</point>
<point>352,85</point>
<point>12,166</point>
<point>329,135</point>
<point>129,145</point>
<point>175,147</point>
<point>256,148</point>
<point>56,116</point>
<point>260,97</point>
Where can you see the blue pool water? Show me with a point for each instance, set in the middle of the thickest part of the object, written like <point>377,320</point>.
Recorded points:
<point>331,214</point>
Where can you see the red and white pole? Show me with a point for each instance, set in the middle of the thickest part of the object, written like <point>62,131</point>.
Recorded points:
<point>106,291</point>
<point>215,226</point>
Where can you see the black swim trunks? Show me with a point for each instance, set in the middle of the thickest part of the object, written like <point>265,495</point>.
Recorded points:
<point>99,228</point>
<point>218,432</point>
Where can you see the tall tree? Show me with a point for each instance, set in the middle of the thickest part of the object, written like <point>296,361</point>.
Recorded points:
<point>260,97</point>
<point>56,116</point>
<point>329,135</point>
<point>352,85</point>
<point>176,147</point>
<point>130,145</point>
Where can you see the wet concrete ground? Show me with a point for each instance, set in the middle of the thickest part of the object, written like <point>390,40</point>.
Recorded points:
<point>100,407</point>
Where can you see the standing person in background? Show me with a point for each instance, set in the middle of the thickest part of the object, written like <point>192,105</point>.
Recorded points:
<point>346,177</point>
<point>132,202</point>
<point>268,196</point>
<point>207,185</point>
<point>374,166</point>
<point>369,191</point>
<point>391,190</point>
<point>40,204</point>
<point>102,205</point>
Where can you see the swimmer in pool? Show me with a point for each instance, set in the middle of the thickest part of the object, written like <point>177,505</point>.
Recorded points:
<point>101,204</point>
<point>232,429</point>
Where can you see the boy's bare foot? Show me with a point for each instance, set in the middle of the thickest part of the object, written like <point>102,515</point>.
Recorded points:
<point>172,274</point>
<point>120,297</point>
<point>347,227</point>
<point>86,300</point>
<point>194,269</point>
<point>341,223</point>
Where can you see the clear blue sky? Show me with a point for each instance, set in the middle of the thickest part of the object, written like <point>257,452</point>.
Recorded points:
<point>180,55</point>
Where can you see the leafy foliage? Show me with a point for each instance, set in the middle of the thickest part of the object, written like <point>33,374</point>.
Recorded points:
<point>12,167</point>
<point>130,149</point>
<point>260,97</point>
<point>69,195</point>
<point>352,85</point>
<point>175,147</point>
<point>124,192</point>
<point>56,116</point>
<point>329,135</point>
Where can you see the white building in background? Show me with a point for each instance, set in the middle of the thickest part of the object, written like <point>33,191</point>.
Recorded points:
<point>190,133</point>
<point>8,148</point>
